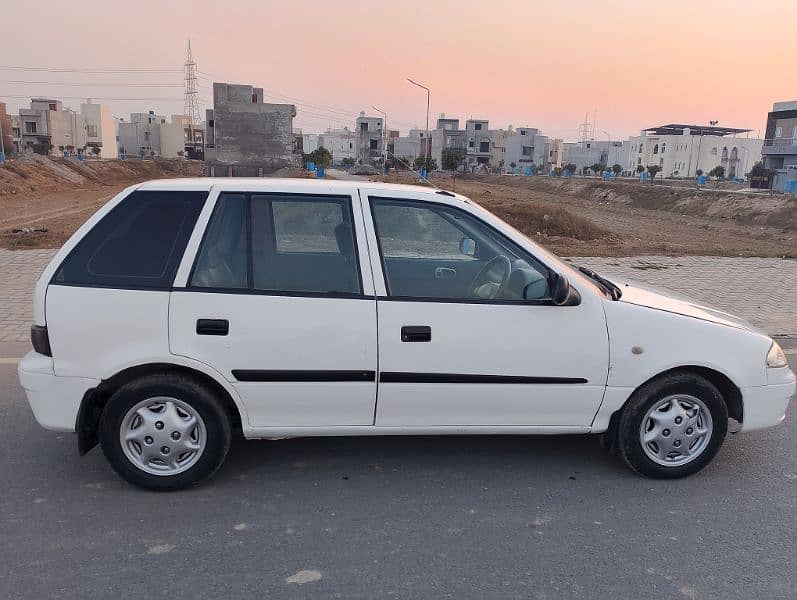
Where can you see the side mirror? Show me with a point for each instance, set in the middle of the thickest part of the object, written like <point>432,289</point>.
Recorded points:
<point>559,288</point>
<point>467,246</point>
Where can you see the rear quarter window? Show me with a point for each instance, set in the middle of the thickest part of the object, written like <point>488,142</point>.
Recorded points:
<point>138,244</point>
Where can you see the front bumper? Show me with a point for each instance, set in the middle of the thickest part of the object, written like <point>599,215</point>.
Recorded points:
<point>765,405</point>
<point>55,401</point>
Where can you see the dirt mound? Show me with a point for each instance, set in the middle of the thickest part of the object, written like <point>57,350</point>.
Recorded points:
<point>33,173</point>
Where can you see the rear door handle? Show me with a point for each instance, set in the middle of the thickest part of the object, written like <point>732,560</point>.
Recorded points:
<point>212,327</point>
<point>416,333</point>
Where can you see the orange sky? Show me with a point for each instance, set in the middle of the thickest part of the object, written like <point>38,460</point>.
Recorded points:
<point>637,63</point>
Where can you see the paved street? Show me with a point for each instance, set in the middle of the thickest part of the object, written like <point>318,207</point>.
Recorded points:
<point>448,517</point>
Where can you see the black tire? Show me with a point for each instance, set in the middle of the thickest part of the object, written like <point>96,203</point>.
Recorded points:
<point>628,445</point>
<point>199,397</point>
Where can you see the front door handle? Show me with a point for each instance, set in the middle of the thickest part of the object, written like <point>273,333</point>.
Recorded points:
<point>416,333</point>
<point>212,326</point>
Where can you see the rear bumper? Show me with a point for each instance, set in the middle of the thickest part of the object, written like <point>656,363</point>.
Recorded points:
<point>54,400</point>
<point>765,406</point>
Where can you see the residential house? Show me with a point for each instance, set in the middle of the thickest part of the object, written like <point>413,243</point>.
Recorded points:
<point>246,136</point>
<point>369,140</point>
<point>48,128</point>
<point>780,144</point>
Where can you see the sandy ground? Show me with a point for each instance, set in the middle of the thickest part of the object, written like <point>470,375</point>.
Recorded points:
<point>581,217</point>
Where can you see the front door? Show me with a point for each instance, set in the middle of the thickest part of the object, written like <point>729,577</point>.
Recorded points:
<point>275,301</point>
<point>467,333</point>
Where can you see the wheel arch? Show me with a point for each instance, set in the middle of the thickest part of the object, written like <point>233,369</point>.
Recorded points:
<point>730,392</point>
<point>95,399</point>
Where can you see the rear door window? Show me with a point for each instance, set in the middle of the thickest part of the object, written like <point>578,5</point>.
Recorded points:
<point>138,244</point>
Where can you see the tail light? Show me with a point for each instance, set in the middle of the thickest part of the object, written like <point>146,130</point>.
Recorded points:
<point>40,340</point>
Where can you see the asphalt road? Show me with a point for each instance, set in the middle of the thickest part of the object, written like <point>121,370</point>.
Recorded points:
<point>446,517</point>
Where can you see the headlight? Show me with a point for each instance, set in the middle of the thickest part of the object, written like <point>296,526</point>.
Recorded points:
<point>775,357</point>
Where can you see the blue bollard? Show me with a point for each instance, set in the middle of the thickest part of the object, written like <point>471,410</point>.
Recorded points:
<point>319,171</point>
<point>310,165</point>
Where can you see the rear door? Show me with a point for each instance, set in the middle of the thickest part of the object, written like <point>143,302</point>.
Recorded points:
<point>275,300</point>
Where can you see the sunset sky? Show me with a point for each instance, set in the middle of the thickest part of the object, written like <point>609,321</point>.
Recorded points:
<point>636,63</point>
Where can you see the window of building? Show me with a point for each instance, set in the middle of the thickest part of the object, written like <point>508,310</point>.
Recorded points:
<point>138,244</point>
<point>254,98</point>
<point>417,241</point>
<point>471,144</point>
<point>374,144</point>
<point>211,123</point>
<point>528,150</point>
<point>656,149</point>
<point>91,130</point>
<point>778,131</point>
<point>484,146</point>
<point>639,161</point>
<point>53,106</point>
<point>663,148</point>
<point>477,126</point>
<point>30,126</point>
<point>363,126</point>
<point>714,151</point>
<point>522,132</point>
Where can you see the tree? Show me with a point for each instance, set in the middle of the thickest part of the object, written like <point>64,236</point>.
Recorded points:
<point>640,169</point>
<point>95,150</point>
<point>347,162</point>
<point>617,169</point>
<point>558,171</point>
<point>699,172</point>
<point>320,157</point>
<point>718,172</point>
<point>571,168</point>
<point>180,153</point>
<point>451,159</point>
<point>512,165</point>
<point>426,161</point>
<point>598,168</point>
<point>654,170</point>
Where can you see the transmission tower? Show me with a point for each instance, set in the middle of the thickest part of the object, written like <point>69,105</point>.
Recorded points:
<point>585,130</point>
<point>191,96</point>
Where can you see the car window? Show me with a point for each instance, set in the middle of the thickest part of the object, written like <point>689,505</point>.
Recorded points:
<point>436,251</point>
<point>280,243</point>
<point>138,244</point>
<point>304,244</point>
<point>221,262</point>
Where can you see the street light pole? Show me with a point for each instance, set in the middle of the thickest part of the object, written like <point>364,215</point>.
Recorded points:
<point>384,136</point>
<point>428,141</point>
<point>608,156</point>
<point>2,148</point>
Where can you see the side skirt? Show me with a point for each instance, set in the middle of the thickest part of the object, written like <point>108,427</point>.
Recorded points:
<point>364,430</point>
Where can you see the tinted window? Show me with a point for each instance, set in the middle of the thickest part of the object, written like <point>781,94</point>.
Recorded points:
<point>222,258</point>
<point>439,252</point>
<point>138,244</point>
<point>303,244</point>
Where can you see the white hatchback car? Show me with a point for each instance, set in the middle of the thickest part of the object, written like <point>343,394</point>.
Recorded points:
<point>187,309</point>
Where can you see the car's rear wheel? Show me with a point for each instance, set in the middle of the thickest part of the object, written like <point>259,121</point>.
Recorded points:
<point>165,431</point>
<point>672,426</point>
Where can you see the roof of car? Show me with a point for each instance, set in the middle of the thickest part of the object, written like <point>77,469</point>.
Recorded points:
<point>261,183</point>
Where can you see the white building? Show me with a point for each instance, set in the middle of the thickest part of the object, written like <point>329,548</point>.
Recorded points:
<point>149,134</point>
<point>341,143</point>
<point>48,128</point>
<point>369,140</point>
<point>524,147</point>
<point>682,150</point>
<point>101,130</point>
<point>586,153</point>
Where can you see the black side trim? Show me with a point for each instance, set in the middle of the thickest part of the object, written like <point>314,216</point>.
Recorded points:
<point>388,377</point>
<point>279,375</point>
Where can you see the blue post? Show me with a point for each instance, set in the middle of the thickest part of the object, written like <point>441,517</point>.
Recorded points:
<point>66,153</point>
<point>319,171</point>
<point>702,180</point>
<point>790,187</point>
<point>122,156</point>
<point>2,157</point>
<point>310,165</point>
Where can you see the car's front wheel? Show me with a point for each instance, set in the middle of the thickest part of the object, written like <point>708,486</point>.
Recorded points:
<point>165,431</point>
<point>672,426</point>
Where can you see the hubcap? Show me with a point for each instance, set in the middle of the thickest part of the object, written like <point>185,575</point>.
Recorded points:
<point>676,430</point>
<point>163,436</point>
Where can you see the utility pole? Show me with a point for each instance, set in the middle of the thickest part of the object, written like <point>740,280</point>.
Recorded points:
<point>428,141</point>
<point>2,148</point>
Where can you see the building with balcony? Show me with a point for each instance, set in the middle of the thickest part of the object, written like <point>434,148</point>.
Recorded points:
<point>479,143</point>
<point>48,128</point>
<point>369,140</point>
<point>780,144</point>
